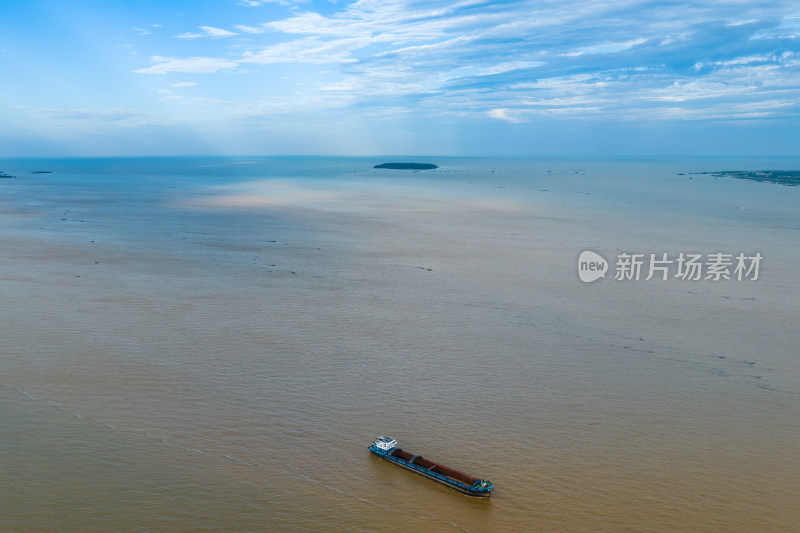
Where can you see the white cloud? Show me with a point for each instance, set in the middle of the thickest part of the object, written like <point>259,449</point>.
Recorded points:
<point>722,111</point>
<point>387,85</point>
<point>208,31</point>
<point>509,66</point>
<point>251,29</point>
<point>605,48</point>
<point>217,32</point>
<point>183,84</point>
<point>309,50</point>
<point>193,65</point>
<point>695,90</point>
<point>502,114</point>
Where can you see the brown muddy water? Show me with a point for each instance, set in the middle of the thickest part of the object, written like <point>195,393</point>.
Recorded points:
<point>207,344</point>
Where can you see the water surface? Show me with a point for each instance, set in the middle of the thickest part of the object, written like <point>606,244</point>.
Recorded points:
<point>209,344</point>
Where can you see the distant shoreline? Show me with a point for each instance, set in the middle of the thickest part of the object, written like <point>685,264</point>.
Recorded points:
<point>782,177</point>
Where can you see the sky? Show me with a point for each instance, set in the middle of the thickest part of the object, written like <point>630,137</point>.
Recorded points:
<point>370,77</point>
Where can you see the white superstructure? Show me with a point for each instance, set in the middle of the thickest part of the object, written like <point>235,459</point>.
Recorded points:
<point>385,444</point>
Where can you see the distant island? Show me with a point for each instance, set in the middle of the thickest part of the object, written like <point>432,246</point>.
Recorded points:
<point>407,166</point>
<point>783,177</point>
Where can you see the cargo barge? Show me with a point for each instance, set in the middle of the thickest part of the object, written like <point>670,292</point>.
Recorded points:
<point>386,448</point>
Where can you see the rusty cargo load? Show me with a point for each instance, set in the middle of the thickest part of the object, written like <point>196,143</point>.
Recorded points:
<point>386,448</point>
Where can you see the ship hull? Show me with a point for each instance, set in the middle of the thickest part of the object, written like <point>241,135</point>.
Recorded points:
<point>441,479</point>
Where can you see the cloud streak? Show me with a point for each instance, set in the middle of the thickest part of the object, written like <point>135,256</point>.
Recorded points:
<point>208,31</point>
<point>191,65</point>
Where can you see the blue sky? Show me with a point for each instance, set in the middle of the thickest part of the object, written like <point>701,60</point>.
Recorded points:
<point>471,77</point>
